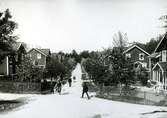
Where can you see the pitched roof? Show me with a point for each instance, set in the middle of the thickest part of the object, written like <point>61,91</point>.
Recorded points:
<point>135,46</point>
<point>16,45</point>
<point>162,65</point>
<point>45,52</point>
<point>159,44</point>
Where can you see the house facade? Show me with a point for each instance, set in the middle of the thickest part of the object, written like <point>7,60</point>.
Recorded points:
<point>40,57</point>
<point>158,63</point>
<point>137,56</point>
<point>9,64</point>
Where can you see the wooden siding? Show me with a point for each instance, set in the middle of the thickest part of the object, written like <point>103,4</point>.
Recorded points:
<point>40,62</point>
<point>135,56</point>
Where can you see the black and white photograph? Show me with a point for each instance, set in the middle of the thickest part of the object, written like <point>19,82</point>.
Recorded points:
<point>83,58</point>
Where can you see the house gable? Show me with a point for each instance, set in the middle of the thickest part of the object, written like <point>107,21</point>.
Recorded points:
<point>161,65</point>
<point>39,57</point>
<point>137,54</point>
<point>36,50</point>
<point>135,46</point>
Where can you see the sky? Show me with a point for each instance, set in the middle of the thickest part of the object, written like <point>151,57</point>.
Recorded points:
<point>64,25</point>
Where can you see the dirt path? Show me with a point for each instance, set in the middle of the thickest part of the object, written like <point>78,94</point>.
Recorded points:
<point>70,105</point>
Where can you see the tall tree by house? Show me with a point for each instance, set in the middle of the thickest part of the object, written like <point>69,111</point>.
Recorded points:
<point>7,27</point>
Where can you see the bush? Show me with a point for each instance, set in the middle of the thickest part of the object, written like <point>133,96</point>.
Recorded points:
<point>143,77</point>
<point>26,71</point>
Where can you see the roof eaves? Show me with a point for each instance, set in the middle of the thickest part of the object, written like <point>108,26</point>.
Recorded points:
<point>136,47</point>
<point>38,51</point>
<point>128,49</point>
<point>160,42</point>
<point>159,66</point>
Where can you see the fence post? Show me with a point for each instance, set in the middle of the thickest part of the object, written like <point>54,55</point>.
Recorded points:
<point>144,98</point>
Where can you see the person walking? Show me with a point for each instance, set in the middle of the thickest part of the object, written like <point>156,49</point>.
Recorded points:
<point>85,90</point>
<point>74,78</point>
<point>52,88</point>
<point>69,82</point>
<point>59,86</point>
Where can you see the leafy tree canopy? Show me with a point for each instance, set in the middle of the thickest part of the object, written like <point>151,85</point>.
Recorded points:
<point>7,27</point>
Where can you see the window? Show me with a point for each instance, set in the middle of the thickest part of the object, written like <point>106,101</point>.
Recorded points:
<point>16,57</point>
<point>144,65</point>
<point>38,56</point>
<point>35,63</point>
<point>141,56</point>
<point>164,56</point>
<point>128,56</point>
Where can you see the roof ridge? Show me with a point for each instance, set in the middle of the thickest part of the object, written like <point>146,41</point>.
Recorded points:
<point>133,46</point>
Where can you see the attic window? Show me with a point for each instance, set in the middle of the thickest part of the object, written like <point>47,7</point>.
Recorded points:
<point>141,56</point>
<point>128,56</point>
<point>38,56</point>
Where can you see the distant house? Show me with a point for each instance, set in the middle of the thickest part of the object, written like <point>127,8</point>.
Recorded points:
<point>137,56</point>
<point>8,66</point>
<point>158,63</point>
<point>40,57</point>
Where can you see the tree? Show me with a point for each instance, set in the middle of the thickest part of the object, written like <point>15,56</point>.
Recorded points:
<point>164,19</point>
<point>75,55</point>
<point>120,41</point>
<point>84,54</point>
<point>26,71</point>
<point>69,64</point>
<point>97,68</point>
<point>7,27</point>
<point>62,68</point>
<point>142,75</point>
<point>54,68</point>
<point>151,45</point>
<point>121,67</point>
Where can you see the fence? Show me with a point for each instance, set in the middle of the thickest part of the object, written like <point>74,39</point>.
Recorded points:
<point>12,86</point>
<point>20,87</point>
<point>133,96</point>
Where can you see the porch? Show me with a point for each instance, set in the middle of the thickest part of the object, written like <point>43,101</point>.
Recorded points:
<point>159,72</point>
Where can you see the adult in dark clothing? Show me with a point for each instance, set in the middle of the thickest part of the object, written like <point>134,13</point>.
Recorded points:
<point>69,81</point>
<point>74,78</point>
<point>52,87</point>
<point>59,86</point>
<point>61,77</point>
<point>85,90</point>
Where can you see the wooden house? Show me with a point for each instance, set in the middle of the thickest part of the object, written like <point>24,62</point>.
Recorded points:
<point>8,65</point>
<point>158,63</point>
<point>137,56</point>
<point>40,57</point>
